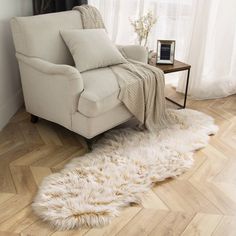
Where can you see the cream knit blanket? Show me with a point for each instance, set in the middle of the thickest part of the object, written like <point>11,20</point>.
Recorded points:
<point>141,85</point>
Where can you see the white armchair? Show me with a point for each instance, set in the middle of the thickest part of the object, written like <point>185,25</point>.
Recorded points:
<point>86,103</point>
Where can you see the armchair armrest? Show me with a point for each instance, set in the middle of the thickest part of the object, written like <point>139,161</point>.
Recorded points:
<point>50,68</point>
<point>134,52</point>
<point>50,91</point>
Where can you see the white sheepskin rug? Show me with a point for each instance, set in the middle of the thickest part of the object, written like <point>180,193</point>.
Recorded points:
<point>91,190</point>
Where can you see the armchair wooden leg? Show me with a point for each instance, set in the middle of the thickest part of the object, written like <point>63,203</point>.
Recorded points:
<point>92,141</point>
<point>34,119</point>
<point>89,144</point>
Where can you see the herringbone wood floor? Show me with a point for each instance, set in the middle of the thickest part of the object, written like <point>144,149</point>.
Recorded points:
<point>200,202</point>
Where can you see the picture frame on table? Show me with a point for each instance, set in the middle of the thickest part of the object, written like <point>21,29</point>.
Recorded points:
<point>165,52</point>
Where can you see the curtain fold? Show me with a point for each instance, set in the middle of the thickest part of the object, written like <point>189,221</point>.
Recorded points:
<point>47,6</point>
<point>212,52</point>
<point>205,34</point>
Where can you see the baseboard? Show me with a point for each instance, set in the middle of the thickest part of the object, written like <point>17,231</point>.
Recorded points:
<point>10,108</point>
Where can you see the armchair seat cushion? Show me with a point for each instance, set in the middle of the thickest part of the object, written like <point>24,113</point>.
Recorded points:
<point>100,93</point>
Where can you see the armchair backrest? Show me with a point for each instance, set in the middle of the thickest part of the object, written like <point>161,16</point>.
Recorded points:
<point>39,36</point>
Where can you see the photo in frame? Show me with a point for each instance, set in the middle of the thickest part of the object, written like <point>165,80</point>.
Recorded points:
<point>165,51</point>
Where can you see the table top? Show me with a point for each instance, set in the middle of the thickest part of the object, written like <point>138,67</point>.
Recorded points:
<point>166,68</point>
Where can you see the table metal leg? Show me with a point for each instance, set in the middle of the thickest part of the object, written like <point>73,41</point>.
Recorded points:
<point>176,103</point>
<point>186,89</point>
<point>185,95</point>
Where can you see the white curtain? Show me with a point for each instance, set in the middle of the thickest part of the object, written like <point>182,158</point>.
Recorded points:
<point>205,34</point>
<point>212,51</point>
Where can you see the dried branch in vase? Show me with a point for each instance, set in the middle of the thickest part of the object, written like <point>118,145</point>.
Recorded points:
<point>143,26</point>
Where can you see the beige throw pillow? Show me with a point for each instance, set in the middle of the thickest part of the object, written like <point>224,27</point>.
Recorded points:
<point>91,49</point>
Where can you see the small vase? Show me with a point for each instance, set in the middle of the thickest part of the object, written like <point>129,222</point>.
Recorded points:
<point>151,55</point>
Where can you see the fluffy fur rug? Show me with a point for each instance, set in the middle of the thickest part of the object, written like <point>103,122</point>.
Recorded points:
<point>91,190</point>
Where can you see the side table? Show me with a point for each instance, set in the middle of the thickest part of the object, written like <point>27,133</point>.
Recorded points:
<point>177,66</point>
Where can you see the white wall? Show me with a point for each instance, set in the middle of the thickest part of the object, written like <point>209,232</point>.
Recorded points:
<point>10,86</point>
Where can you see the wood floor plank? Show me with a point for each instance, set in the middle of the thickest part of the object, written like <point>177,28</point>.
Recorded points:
<point>19,221</point>
<point>227,173</point>
<point>13,205</point>
<point>76,232</point>
<point>144,222</point>
<point>5,196</point>
<point>2,233</point>
<point>20,116</point>
<point>11,132</point>
<point>202,225</point>
<point>8,145</point>
<point>229,134</point>
<point>6,181</point>
<point>68,138</point>
<point>216,196</point>
<point>48,134</point>
<point>173,224</point>
<point>227,189</point>
<point>58,156</point>
<point>180,195</point>
<point>16,151</point>
<point>31,157</point>
<point>39,173</point>
<point>212,167</point>
<point>152,201</point>
<point>23,180</point>
<point>38,228</point>
<point>221,146</point>
<point>30,133</point>
<point>227,227</point>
